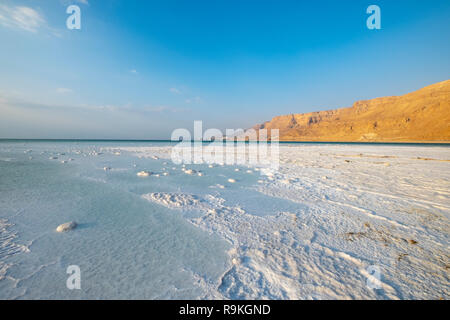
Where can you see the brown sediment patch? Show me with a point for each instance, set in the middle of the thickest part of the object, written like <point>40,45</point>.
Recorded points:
<point>364,156</point>
<point>430,159</point>
<point>401,256</point>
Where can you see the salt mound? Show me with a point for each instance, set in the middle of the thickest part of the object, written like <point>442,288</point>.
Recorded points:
<point>177,200</point>
<point>231,180</point>
<point>143,174</point>
<point>66,226</point>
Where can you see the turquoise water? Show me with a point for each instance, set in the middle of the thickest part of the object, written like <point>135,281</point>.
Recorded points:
<point>125,246</point>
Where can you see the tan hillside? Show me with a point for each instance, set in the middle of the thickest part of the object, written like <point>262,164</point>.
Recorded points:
<point>423,115</point>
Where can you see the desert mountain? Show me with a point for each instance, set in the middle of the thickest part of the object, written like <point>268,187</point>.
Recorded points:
<point>422,116</point>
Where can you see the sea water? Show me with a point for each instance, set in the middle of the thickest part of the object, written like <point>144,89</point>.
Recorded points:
<point>125,246</point>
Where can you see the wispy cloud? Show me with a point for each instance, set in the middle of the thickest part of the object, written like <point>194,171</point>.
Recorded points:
<point>23,119</point>
<point>64,90</point>
<point>193,100</point>
<point>69,2</point>
<point>160,109</point>
<point>20,17</point>
<point>134,71</point>
<point>175,90</point>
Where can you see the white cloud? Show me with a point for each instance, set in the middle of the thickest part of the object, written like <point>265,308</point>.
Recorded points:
<point>64,90</point>
<point>134,71</point>
<point>69,2</point>
<point>23,119</point>
<point>20,17</point>
<point>175,90</point>
<point>193,100</point>
<point>156,109</point>
<point>160,109</point>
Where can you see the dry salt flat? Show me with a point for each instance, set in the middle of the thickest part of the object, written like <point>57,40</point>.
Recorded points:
<point>316,228</point>
<point>358,207</point>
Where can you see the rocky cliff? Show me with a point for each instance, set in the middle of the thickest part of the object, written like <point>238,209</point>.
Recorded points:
<point>422,116</point>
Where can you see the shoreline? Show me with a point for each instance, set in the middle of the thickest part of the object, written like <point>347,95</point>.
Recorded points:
<point>387,142</point>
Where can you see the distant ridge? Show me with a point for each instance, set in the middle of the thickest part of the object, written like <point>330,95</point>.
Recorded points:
<point>420,116</point>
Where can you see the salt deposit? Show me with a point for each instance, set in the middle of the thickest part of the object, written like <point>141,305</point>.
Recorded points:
<point>143,173</point>
<point>66,226</point>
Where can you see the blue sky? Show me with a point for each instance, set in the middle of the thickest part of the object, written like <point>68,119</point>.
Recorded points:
<point>140,69</point>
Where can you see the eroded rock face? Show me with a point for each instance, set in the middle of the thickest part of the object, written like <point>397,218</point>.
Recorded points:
<point>66,226</point>
<point>422,115</point>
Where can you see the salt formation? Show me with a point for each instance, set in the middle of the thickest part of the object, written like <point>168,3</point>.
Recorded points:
<point>231,180</point>
<point>143,174</point>
<point>66,226</point>
<point>173,200</point>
